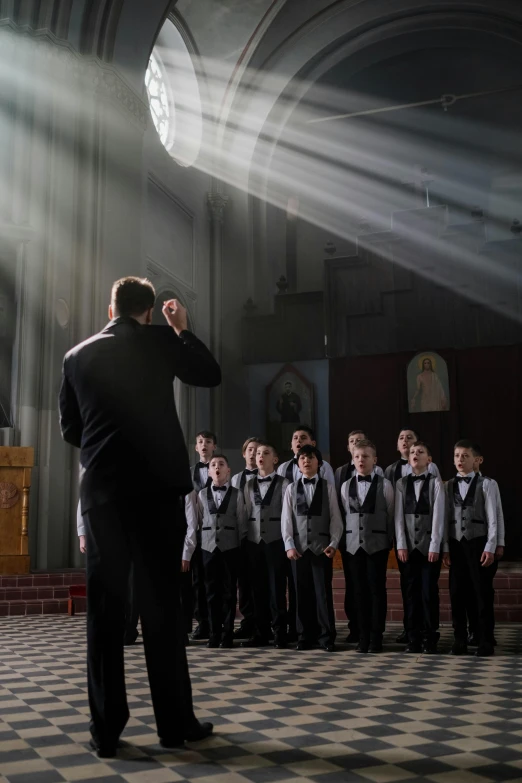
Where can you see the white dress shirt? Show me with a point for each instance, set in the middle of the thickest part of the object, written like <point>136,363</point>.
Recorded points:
<point>203,473</point>
<point>364,486</point>
<point>191,515</point>
<point>491,501</point>
<point>289,509</point>
<point>80,524</point>
<point>236,479</point>
<point>264,486</point>
<point>432,468</point>
<point>325,471</point>
<point>438,518</point>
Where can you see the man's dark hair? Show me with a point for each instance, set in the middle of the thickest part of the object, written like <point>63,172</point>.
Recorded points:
<point>472,445</point>
<point>356,432</point>
<point>268,445</point>
<point>304,428</point>
<point>219,456</point>
<point>207,434</point>
<point>366,444</point>
<point>132,296</point>
<point>410,429</point>
<point>309,451</point>
<point>421,443</point>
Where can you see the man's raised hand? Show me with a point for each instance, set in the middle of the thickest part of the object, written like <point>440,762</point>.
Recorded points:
<point>175,314</point>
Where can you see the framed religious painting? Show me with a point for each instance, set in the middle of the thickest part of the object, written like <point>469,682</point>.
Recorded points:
<point>289,403</point>
<point>428,384</point>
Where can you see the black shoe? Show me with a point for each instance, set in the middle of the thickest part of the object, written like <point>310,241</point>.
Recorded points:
<point>352,638</point>
<point>305,646</point>
<point>200,732</point>
<point>430,648</point>
<point>484,650</point>
<point>227,642</point>
<point>402,638</point>
<point>280,643</point>
<point>291,636</point>
<point>375,647</point>
<point>473,640</point>
<point>242,633</point>
<point>362,647</point>
<point>214,641</point>
<point>414,648</point>
<point>459,648</point>
<point>200,632</point>
<point>103,751</point>
<point>328,647</point>
<point>255,641</point>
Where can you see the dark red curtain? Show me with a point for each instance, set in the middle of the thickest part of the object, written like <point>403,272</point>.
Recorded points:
<point>370,393</point>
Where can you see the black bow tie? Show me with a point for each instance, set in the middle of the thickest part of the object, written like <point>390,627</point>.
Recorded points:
<point>202,465</point>
<point>309,481</point>
<point>251,472</point>
<point>419,478</point>
<point>365,478</point>
<point>219,489</point>
<point>467,479</point>
<point>403,461</point>
<point>262,480</point>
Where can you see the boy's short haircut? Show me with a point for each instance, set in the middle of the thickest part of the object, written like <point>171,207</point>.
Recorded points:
<point>472,445</point>
<point>268,446</point>
<point>248,442</point>
<point>424,445</point>
<point>410,429</point>
<point>208,435</point>
<point>309,451</point>
<point>304,428</point>
<point>366,444</point>
<point>219,456</point>
<point>356,432</point>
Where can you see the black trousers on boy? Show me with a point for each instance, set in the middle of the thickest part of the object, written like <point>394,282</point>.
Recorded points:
<point>349,602</point>
<point>245,593</point>
<point>368,574</point>
<point>117,536</point>
<point>198,582</point>
<point>422,596</point>
<point>313,586</point>
<point>267,566</point>
<point>221,587</point>
<point>471,583</point>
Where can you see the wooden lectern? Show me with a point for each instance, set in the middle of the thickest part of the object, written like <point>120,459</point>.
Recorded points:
<point>15,481</point>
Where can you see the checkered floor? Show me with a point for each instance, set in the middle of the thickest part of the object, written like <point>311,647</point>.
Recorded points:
<point>280,715</point>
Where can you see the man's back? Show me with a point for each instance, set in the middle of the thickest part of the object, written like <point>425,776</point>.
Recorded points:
<point>117,404</point>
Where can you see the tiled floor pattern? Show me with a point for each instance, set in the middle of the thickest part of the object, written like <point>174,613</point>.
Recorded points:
<point>281,716</point>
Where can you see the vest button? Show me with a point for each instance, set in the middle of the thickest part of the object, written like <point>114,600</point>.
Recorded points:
<point>361,528</point>
<point>217,540</point>
<point>416,529</point>
<point>361,515</point>
<point>360,541</point>
<point>416,541</point>
<point>417,516</point>
<point>309,530</point>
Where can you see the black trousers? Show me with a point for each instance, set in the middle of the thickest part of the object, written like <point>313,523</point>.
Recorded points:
<point>471,583</point>
<point>132,614</point>
<point>221,585</point>
<point>422,596</point>
<point>471,605</point>
<point>147,533</point>
<point>313,586</point>
<point>349,602</point>
<point>291,613</point>
<point>245,592</point>
<point>402,582</point>
<point>198,582</point>
<point>267,566</point>
<point>368,574</point>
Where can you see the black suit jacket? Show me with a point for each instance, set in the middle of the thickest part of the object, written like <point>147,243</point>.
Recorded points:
<point>117,405</point>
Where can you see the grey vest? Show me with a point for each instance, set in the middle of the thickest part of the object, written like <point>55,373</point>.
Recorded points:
<point>312,524</point>
<point>467,518</point>
<point>367,525</point>
<point>418,514</point>
<point>394,471</point>
<point>265,522</point>
<point>196,478</point>
<point>220,528</point>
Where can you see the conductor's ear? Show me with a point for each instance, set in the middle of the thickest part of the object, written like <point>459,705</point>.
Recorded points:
<point>111,316</point>
<point>148,317</point>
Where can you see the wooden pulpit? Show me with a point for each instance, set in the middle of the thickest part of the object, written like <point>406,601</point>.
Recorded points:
<point>15,482</point>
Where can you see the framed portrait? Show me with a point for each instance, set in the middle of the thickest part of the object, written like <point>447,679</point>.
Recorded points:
<point>428,384</point>
<point>289,402</point>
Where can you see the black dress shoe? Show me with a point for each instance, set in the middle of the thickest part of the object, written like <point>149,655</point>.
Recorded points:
<point>362,647</point>
<point>352,638</point>
<point>255,641</point>
<point>305,646</point>
<point>402,638</point>
<point>328,647</point>
<point>199,732</point>
<point>227,642</point>
<point>104,751</point>
<point>430,648</point>
<point>459,648</point>
<point>200,632</point>
<point>280,643</point>
<point>291,636</point>
<point>485,650</point>
<point>473,640</point>
<point>214,642</point>
<point>414,647</point>
<point>375,647</point>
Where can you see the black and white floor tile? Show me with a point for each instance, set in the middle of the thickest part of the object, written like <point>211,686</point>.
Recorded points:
<point>281,716</point>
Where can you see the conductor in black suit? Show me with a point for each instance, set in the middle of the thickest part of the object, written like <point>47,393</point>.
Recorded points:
<point>117,406</point>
